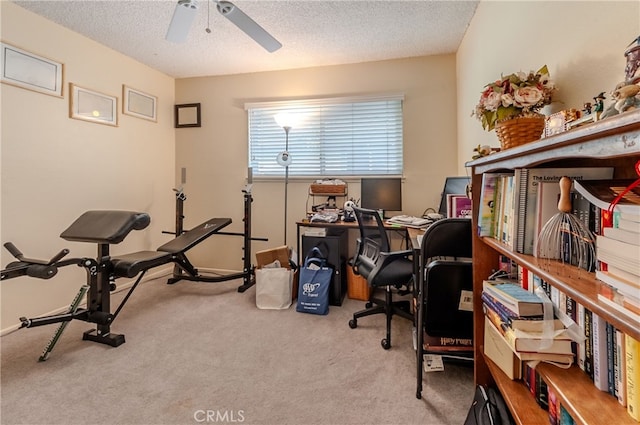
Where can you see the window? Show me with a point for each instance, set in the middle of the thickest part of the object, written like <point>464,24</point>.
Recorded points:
<point>331,137</point>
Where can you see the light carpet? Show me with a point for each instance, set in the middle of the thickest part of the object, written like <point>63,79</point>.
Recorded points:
<point>203,353</point>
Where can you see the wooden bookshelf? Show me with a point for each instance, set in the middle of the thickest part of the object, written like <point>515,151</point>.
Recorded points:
<point>613,142</point>
<point>576,283</point>
<point>520,402</point>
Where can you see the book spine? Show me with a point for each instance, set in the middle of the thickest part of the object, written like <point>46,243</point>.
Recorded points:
<point>485,211</point>
<point>494,317</point>
<point>599,335</point>
<point>588,349</point>
<point>572,312</point>
<point>597,220</point>
<point>581,345</point>
<point>520,209</point>
<point>611,355</point>
<point>565,417</point>
<point>523,277</point>
<point>553,406</point>
<point>621,361</point>
<point>555,296</point>
<point>495,305</point>
<point>562,306</point>
<point>632,348</point>
<point>546,287</point>
<point>542,396</point>
<point>497,207</point>
<point>507,213</point>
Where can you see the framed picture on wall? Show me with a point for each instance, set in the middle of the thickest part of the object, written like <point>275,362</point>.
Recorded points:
<point>188,115</point>
<point>89,105</point>
<point>27,70</point>
<point>139,104</point>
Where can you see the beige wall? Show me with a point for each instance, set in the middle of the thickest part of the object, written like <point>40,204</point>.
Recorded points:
<point>55,168</point>
<point>582,43</point>
<point>215,155</point>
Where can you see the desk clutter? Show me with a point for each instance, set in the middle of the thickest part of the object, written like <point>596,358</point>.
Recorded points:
<point>415,222</point>
<point>328,211</point>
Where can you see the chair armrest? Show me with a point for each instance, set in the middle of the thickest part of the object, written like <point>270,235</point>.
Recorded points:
<point>388,256</point>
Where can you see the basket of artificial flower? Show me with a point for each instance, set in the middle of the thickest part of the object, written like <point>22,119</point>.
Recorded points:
<point>510,105</point>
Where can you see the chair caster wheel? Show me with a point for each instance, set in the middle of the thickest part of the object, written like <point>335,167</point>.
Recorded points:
<point>418,396</point>
<point>385,344</point>
<point>353,323</point>
<point>369,304</point>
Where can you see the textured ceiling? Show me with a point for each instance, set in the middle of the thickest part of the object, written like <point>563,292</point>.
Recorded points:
<point>313,33</point>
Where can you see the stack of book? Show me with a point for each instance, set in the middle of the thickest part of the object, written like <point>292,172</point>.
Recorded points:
<point>617,244</point>
<point>514,321</point>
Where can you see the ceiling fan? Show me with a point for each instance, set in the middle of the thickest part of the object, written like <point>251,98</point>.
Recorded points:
<point>186,11</point>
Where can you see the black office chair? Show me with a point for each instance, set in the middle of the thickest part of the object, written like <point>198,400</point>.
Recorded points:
<point>446,271</point>
<point>382,268</point>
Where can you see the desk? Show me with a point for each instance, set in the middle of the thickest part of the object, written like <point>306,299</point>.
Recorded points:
<point>337,238</point>
<point>342,226</point>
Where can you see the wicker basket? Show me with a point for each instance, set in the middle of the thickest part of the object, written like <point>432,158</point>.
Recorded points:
<point>520,130</point>
<point>328,189</point>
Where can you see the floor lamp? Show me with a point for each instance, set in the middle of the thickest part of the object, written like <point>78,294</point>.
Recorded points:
<point>284,159</point>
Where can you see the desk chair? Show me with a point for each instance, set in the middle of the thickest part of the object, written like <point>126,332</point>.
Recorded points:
<point>381,268</point>
<point>446,271</point>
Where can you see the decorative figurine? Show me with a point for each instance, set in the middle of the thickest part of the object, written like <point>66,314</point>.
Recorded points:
<point>633,61</point>
<point>483,150</point>
<point>625,99</point>
<point>625,95</point>
<point>599,102</point>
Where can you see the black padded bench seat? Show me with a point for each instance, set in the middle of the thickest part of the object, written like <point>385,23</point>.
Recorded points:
<point>130,265</point>
<point>194,236</point>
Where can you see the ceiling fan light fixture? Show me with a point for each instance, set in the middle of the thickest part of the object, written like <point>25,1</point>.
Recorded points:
<point>185,13</point>
<point>189,4</point>
<point>183,16</point>
<point>248,25</point>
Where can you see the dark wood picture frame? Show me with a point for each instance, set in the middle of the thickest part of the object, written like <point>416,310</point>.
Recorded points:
<point>187,115</point>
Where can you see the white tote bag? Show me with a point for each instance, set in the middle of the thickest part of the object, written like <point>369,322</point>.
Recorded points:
<point>273,288</point>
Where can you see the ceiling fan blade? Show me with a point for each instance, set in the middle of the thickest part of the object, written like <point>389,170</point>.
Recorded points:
<point>183,17</point>
<point>248,25</point>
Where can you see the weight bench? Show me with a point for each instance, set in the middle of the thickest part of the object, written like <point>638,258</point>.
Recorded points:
<point>106,228</point>
<point>130,265</point>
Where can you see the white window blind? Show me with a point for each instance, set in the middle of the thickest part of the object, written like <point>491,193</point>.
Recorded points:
<point>331,137</point>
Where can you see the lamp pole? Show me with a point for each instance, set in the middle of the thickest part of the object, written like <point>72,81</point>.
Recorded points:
<point>286,179</point>
<point>287,121</point>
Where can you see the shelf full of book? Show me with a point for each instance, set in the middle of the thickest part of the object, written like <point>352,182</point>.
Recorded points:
<point>613,143</point>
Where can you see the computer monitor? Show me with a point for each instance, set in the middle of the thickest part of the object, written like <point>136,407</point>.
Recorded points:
<point>381,193</point>
<point>452,186</point>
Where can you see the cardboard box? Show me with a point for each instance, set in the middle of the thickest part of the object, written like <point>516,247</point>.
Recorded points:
<point>268,256</point>
<point>357,286</point>
<point>497,349</point>
<point>282,254</point>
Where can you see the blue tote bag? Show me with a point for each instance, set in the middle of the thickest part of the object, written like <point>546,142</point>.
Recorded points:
<point>314,283</point>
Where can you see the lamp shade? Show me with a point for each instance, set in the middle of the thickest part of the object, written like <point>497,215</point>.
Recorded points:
<point>286,120</point>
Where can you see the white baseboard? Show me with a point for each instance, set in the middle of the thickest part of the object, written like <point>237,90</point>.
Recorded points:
<point>164,271</point>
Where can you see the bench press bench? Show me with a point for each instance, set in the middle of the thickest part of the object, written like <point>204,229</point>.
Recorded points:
<point>106,228</point>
